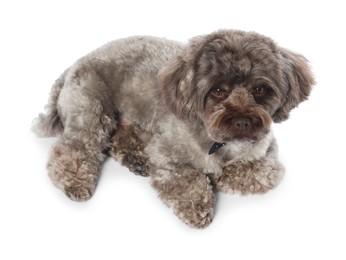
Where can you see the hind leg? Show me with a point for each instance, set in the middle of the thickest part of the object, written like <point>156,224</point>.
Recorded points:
<point>74,170</point>
<point>76,158</point>
<point>127,148</point>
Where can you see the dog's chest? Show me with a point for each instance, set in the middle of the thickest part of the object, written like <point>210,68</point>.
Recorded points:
<point>237,152</point>
<point>210,164</point>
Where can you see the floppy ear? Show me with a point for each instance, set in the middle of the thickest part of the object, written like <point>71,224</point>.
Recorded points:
<point>299,80</point>
<point>176,79</point>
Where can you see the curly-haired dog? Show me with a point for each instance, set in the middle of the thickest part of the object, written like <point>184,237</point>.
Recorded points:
<point>196,117</point>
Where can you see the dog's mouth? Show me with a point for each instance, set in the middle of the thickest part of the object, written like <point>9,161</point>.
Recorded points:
<point>227,126</point>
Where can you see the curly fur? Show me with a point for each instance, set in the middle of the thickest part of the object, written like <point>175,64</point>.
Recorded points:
<point>157,106</point>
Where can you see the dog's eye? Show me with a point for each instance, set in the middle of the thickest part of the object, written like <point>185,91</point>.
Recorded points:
<point>218,93</point>
<point>259,91</point>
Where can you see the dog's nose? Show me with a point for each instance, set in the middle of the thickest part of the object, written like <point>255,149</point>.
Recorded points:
<point>242,123</point>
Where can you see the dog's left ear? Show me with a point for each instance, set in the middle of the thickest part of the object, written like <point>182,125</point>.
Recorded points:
<point>299,80</point>
<point>176,79</point>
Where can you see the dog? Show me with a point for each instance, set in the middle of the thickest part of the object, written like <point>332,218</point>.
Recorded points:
<point>194,117</point>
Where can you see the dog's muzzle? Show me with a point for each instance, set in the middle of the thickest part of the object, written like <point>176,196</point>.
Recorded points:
<point>239,118</point>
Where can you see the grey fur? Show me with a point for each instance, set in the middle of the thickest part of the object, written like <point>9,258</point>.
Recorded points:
<point>153,105</point>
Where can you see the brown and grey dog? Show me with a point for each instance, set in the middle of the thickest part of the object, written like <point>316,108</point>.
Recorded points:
<point>196,117</point>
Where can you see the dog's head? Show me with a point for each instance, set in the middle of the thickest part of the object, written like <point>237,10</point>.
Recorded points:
<point>235,83</point>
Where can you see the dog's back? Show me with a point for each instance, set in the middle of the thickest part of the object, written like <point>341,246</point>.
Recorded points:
<point>128,68</point>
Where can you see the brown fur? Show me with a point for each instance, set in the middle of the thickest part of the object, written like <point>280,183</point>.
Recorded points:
<point>158,106</point>
<point>188,192</point>
<point>128,149</point>
<point>222,118</point>
<point>258,176</point>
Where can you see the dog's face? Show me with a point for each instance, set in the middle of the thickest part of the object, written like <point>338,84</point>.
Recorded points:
<point>236,84</point>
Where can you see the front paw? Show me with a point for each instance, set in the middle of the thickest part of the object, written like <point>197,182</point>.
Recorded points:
<point>189,194</point>
<point>270,177</point>
<point>195,212</point>
<point>250,178</point>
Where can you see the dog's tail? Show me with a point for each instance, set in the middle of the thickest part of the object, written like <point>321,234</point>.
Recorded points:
<point>49,124</point>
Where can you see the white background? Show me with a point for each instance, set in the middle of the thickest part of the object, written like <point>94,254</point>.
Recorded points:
<point>304,218</point>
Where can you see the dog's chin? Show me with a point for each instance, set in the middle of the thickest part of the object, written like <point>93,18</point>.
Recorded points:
<point>220,136</point>
<point>231,124</point>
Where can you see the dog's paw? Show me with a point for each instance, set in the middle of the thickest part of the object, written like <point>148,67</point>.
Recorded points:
<point>73,171</point>
<point>136,163</point>
<point>271,177</point>
<point>78,193</point>
<point>189,193</point>
<point>195,213</point>
<point>251,178</point>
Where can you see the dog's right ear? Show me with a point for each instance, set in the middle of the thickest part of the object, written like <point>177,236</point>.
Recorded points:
<point>299,81</point>
<point>176,79</point>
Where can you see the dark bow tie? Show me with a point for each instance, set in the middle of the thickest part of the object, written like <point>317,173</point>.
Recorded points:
<point>216,146</point>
